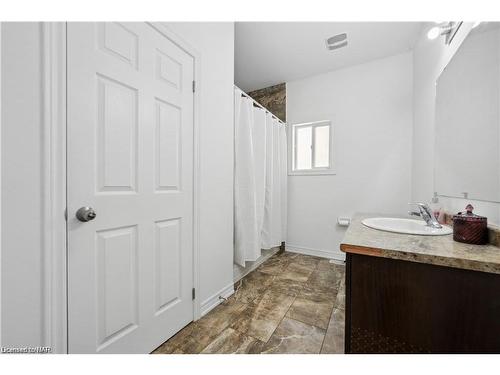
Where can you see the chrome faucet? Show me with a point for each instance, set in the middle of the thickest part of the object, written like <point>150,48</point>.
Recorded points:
<point>426,214</point>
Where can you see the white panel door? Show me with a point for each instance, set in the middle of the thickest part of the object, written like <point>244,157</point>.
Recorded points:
<point>130,158</point>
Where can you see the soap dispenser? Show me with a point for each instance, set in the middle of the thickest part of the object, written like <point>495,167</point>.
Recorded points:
<point>437,209</point>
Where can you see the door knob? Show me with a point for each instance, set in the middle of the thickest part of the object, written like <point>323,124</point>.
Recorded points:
<point>85,214</point>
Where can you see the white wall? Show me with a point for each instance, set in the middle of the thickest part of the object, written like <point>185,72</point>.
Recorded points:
<point>215,43</point>
<point>370,106</point>
<point>429,59</point>
<point>21,268</point>
<point>23,299</point>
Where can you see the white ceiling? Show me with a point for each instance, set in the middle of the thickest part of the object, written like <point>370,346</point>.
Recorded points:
<point>267,53</point>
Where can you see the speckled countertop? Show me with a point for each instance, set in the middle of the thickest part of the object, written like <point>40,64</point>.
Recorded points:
<point>438,250</point>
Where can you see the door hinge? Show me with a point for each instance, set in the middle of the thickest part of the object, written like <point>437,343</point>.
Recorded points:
<point>194,293</point>
<point>194,86</point>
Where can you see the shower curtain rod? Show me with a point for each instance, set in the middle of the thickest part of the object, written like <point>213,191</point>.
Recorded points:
<point>259,105</point>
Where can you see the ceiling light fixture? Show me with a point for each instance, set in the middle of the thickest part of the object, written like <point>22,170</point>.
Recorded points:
<point>433,33</point>
<point>336,41</point>
<point>448,29</point>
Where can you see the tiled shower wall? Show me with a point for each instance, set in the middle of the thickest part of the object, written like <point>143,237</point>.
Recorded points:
<point>273,98</point>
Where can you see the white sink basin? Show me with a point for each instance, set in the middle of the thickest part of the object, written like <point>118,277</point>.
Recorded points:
<point>407,226</point>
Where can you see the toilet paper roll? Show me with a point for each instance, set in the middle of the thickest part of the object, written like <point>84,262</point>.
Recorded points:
<point>343,221</point>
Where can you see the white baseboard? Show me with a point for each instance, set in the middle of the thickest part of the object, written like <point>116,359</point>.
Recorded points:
<point>213,301</point>
<point>315,252</point>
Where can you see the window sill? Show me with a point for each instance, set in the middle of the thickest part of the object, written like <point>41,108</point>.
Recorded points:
<point>325,172</point>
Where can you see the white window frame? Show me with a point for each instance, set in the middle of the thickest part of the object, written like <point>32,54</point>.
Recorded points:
<point>292,155</point>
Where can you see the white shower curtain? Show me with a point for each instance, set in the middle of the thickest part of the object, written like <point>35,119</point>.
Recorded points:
<point>275,225</point>
<point>260,176</point>
<point>284,178</point>
<point>246,239</point>
<point>267,226</point>
<point>259,152</point>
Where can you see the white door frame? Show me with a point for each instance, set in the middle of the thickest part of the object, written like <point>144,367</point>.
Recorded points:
<point>55,319</point>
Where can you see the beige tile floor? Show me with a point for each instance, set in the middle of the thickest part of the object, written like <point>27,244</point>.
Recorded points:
<point>292,303</point>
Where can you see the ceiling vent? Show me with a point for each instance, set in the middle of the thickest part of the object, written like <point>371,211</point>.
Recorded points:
<point>336,41</point>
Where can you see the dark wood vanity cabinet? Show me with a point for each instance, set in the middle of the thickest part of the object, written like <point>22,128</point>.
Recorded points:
<point>396,306</point>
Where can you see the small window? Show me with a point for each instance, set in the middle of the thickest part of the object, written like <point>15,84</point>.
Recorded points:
<point>311,148</point>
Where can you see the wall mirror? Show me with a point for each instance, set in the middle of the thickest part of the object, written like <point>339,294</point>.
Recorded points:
<point>467,133</point>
